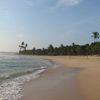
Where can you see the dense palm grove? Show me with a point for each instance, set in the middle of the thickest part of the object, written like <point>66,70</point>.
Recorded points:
<point>74,49</point>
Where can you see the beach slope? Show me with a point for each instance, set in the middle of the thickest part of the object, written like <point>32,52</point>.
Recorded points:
<point>56,83</point>
<point>77,79</point>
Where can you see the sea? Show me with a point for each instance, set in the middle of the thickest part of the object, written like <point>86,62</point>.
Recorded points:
<point>15,70</point>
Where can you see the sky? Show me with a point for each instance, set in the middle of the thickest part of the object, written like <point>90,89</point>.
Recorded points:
<point>43,22</point>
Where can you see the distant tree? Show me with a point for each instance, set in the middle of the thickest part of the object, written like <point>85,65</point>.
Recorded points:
<point>22,43</point>
<point>95,48</point>
<point>56,51</point>
<point>62,49</point>
<point>34,50</point>
<point>87,49</point>
<point>26,45</point>
<point>43,51</point>
<point>23,46</point>
<point>74,49</point>
<point>50,49</point>
<point>96,36</point>
<point>78,50</point>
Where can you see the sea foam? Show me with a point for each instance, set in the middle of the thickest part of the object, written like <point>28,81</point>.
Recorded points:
<point>11,90</point>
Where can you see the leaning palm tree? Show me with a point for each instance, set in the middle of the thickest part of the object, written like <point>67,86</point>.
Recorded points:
<point>96,36</point>
<point>23,46</point>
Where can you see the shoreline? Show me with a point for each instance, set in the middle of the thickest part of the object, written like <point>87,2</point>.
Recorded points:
<point>85,83</point>
<point>88,79</point>
<point>55,83</point>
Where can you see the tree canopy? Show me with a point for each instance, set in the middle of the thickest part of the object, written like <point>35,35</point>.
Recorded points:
<point>74,49</point>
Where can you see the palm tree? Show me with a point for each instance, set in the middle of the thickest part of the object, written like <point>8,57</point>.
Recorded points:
<point>23,46</point>
<point>22,43</point>
<point>50,49</point>
<point>26,45</point>
<point>96,36</point>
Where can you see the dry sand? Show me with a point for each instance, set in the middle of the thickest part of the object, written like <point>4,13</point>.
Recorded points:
<point>88,79</point>
<point>57,84</point>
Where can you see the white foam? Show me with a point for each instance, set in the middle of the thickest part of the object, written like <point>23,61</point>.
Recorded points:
<point>11,90</point>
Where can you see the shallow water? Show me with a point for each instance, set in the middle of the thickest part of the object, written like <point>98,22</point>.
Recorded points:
<point>15,70</point>
<point>12,65</point>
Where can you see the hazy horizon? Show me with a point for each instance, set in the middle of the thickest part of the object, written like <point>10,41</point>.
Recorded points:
<point>43,22</point>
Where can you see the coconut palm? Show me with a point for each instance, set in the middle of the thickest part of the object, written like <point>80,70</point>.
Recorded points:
<point>96,36</point>
<point>22,43</point>
<point>23,46</point>
<point>26,46</point>
<point>50,49</point>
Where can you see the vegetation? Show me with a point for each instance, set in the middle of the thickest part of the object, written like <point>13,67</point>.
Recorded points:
<point>96,36</point>
<point>23,46</point>
<point>74,49</point>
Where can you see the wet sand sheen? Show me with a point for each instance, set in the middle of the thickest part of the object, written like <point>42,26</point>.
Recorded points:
<point>88,79</point>
<point>56,83</point>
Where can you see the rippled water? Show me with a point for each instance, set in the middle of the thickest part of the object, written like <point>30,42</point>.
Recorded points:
<point>15,70</point>
<point>12,65</point>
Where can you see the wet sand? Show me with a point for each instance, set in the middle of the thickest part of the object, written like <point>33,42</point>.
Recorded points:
<point>79,80</point>
<point>56,83</point>
<point>88,79</point>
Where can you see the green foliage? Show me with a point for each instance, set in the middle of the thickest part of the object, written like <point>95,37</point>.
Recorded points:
<point>23,47</point>
<point>96,36</point>
<point>74,49</point>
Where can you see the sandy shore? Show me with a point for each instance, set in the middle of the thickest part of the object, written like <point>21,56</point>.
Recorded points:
<point>59,84</point>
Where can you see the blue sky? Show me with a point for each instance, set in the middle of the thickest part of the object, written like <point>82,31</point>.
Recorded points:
<point>43,22</point>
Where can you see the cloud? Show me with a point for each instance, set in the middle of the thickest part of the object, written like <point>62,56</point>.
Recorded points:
<point>62,3</point>
<point>68,2</point>
<point>55,5</point>
<point>34,3</point>
<point>58,3</point>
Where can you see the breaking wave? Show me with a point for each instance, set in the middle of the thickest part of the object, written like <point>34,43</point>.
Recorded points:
<point>10,90</point>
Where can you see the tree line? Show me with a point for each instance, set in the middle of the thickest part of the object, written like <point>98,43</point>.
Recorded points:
<point>74,49</point>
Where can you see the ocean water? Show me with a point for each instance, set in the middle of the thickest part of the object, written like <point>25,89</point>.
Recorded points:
<point>15,70</point>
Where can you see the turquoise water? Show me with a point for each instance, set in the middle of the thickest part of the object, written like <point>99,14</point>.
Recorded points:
<point>15,70</point>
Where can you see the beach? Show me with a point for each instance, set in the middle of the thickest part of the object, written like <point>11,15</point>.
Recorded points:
<point>49,50</point>
<point>74,78</point>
